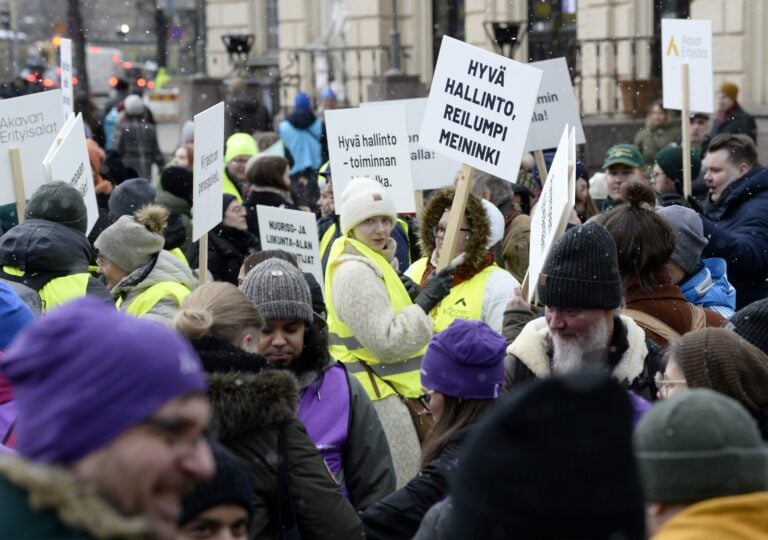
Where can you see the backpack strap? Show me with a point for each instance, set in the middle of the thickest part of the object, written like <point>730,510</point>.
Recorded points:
<point>698,317</point>
<point>649,322</point>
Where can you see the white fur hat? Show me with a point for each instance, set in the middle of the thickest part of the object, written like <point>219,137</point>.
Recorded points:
<point>364,198</point>
<point>496,220</point>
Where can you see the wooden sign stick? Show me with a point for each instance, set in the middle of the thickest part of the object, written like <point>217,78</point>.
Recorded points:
<point>463,187</point>
<point>538,156</point>
<point>18,183</point>
<point>686,125</point>
<point>202,268</point>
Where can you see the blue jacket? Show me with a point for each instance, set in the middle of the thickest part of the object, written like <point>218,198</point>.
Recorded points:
<point>709,287</point>
<point>300,133</point>
<point>737,228</point>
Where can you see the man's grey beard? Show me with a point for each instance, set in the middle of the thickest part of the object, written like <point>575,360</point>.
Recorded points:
<point>589,351</point>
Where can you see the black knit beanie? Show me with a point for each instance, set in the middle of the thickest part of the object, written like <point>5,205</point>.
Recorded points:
<point>554,461</point>
<point>232,484</point>
<point>59,202</point>
<point>582,271</point>
<point>177,181</point>
<point>131,196</point>
<point>751,323</point>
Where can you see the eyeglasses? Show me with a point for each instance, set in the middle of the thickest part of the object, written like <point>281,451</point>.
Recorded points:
<point>656,174</point>
<point>179,434</point>
<point>440,231</point>
<point>102,261</point>
<point>663,384</point>
<point>237,209</point>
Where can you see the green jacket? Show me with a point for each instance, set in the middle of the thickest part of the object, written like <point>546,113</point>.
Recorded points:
<point>651,140</point>
<point>62,510</point>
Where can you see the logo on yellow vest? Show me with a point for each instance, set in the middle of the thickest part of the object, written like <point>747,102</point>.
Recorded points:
<point>672,47</point>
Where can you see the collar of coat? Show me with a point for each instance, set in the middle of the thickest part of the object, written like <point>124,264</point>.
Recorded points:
<point>52,488</point>
<point>531,348</point>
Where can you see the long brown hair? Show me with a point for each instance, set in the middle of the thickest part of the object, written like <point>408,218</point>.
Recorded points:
<point>457,413</point>
<point>268,171</point>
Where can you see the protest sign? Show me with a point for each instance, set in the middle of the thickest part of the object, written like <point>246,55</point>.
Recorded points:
<point>687,42</point>
<point>293,231</point>
<point>371,143</point>
<point>65,63</point>
<point>28,124</point>
<point>69,163</point>
<point>430,169</point>
<point>550,216</point>
<point>571,166</point>
<point>480,108</point>
<point>555,107</point>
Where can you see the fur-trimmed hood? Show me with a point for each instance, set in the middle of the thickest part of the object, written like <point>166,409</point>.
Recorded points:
<point>531,348</point>
<point>245,394</point>
<point>476,216</point>
<point>48,487</point>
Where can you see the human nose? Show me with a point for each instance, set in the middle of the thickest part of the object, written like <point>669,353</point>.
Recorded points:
<point>556,320</point>
<point>278,339</point>
<point>199,463</point>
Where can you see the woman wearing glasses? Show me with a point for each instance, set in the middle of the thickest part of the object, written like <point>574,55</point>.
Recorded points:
<point>462,374</point>
<point>374,327</point>
<point>719,359</point>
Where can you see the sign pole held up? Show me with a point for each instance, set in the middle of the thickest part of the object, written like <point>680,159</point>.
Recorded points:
<point>459,205</point>
<point>18,183</point>
<point>686,131</point>
<point>202,268</point>
<point>538,156</point>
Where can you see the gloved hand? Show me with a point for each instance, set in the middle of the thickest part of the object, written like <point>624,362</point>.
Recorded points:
<point>411,286</point>
<point>438,287</point>
<point>695,205</point>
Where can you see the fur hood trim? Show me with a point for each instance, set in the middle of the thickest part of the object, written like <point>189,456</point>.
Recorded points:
<point>245,402</point>
<point>530,347</point>
<point>476,216</point>
<point>53,488</point>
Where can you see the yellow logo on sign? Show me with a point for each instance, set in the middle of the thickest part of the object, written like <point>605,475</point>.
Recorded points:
<point>672,47</point>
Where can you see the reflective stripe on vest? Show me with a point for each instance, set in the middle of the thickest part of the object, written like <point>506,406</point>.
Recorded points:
<point>56,291</point>
<point>144,302</point>
<point>229,186</point>
<point>405,376</point>
<point>327,240</point>
<point>465,301</point>
<point>179,255</point>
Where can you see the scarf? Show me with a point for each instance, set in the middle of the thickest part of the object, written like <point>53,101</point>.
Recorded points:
<point>464,272</point>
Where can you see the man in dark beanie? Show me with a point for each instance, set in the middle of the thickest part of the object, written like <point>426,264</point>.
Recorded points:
<point>49,252</point>
<point>583,327</point>
<point>667,175</point>
<point>704,468</point>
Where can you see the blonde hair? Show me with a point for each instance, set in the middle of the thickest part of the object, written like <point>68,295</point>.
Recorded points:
<point>217,309</point>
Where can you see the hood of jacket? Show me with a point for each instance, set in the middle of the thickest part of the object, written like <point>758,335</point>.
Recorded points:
<point>476,216</point>
<point>51,488</point>
<point>245,394</point>
<point>747,187</point>
<point>709,287</point>
<point>301,119</point>
<point>41,245</point>
<point>165,267</point>
<point>531,348</point>
<point>741,517</point>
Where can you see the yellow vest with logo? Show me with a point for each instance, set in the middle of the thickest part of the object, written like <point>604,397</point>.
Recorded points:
<point>465,300</point>
<point>344,347</point>
<point>144,302</point>
<point>57,291</point>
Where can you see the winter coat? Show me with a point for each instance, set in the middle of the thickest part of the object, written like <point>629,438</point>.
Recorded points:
<point>301,133</point>
<point>398,516</point>
<point>264,196</point>
<point>367,470</point>
<point>671,199</point>
<point>181,207</point>
<point>632,358</point>
<point>48,252</point>
<point>709,287</point>
<point>163,267</point>
<point>737,229</point>
<point>434,526</point>
<point>736,120</point>
<point>245,114</point>
<point>739,517</point>
<point>62,510</point>
<point>136,140</point>
<point>250,404</point>
<point>667,304</point>
<point>650,140</point>
<point>227,248</point>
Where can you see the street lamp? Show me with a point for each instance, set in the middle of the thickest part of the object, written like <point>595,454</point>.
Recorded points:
<point>238,46</point>
<point>504,34</point>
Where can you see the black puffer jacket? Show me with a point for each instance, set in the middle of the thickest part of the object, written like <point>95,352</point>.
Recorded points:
<point>250,405</point>
<point>227,248</point>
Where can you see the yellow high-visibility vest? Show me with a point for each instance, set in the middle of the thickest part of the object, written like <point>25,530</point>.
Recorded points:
<point>140,306</point>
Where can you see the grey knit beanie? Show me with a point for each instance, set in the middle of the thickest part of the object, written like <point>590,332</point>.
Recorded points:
<point>689,235</point>
<point>582,270</point>
<point>751,323</point>
<point>61,203</point>
<point>279,290</point>
<point>699,445</point>
<point>131,241</point>
<point>130,196</point>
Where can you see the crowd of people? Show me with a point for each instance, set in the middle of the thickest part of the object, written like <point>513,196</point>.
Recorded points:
<point>142,397</point>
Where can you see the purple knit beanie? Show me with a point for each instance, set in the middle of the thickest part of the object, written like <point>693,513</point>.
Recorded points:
<point>86,373</point>
<point>466,360</point>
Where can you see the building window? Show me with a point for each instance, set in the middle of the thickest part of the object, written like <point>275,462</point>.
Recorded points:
<point>552,30</point>
<point>447,20</point>
<point>273,28</point>
<point>665,9</point>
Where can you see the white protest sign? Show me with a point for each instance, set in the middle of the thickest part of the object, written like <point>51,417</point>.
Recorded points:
<point>372,143</point>
<point>687,41</point>
<point>207,185</point>
<point>65,63</point>
<point>293,231</point>
<point>480,108</point>
<point>430,169</point>
<point>29,123</point>
<point>572,163</point>
<point>550,215</point>
<point>555,107</point>
<point>69,163</point>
